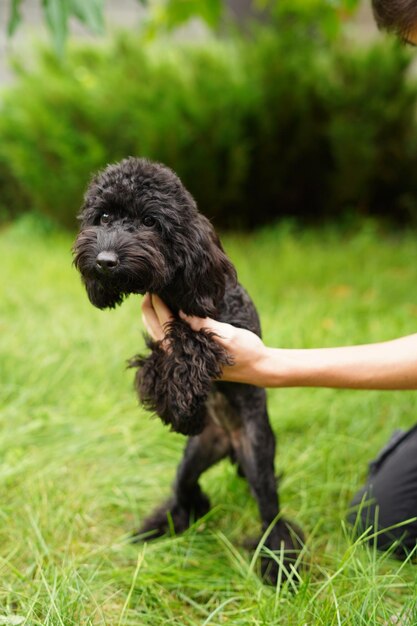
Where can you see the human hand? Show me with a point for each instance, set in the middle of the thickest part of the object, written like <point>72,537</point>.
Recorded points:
<point>244,347</point>
<point>155,316</point>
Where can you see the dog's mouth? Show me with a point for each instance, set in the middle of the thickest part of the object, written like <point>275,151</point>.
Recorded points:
<point>121,283</point>
<point>108,280</point>
<point>112,271</point>
<point>118,280</point>
<point>114,264</point>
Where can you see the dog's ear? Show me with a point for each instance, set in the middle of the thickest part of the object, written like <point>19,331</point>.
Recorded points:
<point>206,269</point>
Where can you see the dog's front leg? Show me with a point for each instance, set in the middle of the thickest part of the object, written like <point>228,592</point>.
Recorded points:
<point>254,446</point>
<point>176,382</point>
<point>188,501</point>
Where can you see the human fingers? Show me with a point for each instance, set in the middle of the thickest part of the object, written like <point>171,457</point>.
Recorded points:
<point>162,311</point>
<point>150,319</point>
<point>223,332</point>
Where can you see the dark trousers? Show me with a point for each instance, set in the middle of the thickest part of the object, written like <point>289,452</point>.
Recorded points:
<point>389,497</point>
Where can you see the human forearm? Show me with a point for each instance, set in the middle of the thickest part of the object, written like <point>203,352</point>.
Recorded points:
<point>387,365</point>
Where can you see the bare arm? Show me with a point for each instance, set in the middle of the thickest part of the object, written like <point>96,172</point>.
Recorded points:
<point>386,365</point>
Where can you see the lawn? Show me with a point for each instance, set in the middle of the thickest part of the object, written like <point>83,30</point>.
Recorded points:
<point>81,463</point>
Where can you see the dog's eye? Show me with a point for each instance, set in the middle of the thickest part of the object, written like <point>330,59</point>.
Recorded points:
<point>105,218</point>
<point>148,221</point>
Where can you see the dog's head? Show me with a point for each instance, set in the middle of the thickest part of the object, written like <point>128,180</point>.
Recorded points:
<point>141,231</point>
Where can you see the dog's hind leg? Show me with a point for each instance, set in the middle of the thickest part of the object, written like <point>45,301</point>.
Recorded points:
<point>254,447</point>
<point>188,501</point>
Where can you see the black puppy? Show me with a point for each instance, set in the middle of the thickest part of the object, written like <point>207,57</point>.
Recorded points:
<point>141,232</point>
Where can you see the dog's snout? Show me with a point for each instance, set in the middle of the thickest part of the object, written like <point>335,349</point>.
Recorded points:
<point>107,260</point>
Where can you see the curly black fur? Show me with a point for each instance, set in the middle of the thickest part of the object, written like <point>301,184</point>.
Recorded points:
<point>177,388</point>
<point>141,232</point>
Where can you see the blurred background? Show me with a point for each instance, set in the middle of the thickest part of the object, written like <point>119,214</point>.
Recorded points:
<point>293,123</point>
<point>267,109</point>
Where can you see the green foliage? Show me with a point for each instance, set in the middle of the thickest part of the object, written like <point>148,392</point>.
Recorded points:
<point>173,13</point>
<point>57,14</point>
<point>335,129</point>
<point>166,14</point>
<point>169,14</point>
<point>372,132</point>
<point>315,17</point>
<point>123,100</point>
<point>82,463</point>
<point>288,123</point>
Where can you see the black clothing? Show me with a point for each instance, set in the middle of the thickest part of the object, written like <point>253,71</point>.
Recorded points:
<point>389,496</point>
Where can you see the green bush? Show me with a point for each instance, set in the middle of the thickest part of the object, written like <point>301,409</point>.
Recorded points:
<point>178,105</point>
<point>287,123</point>
<point>372,132</point>
<point>335,133</point>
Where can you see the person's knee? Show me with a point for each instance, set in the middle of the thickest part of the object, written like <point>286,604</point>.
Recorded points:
<point>376,522</point>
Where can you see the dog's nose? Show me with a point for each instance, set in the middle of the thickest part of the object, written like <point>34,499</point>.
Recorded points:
<point>107,260</point>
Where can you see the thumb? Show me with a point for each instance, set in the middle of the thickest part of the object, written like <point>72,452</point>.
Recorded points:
<point>206,323</point>
<point>163,313</point>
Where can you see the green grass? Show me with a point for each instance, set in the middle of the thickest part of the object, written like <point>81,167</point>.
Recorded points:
<point>81,463</point>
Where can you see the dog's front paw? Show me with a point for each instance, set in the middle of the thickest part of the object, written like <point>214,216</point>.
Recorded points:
<point>286,541</point>
<point>172,518</point>
<point>165,385</point>
<point>175,383</point>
